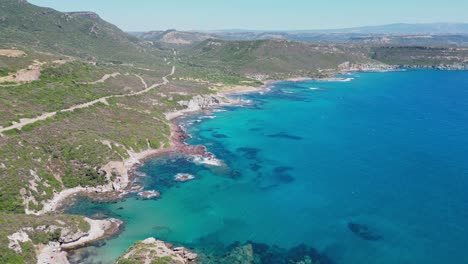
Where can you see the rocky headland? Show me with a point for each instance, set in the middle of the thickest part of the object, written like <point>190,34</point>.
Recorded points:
<point>151,250</point>
<point>62,237</point>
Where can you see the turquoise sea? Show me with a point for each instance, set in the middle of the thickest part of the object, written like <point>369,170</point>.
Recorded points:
<point>374,170</point>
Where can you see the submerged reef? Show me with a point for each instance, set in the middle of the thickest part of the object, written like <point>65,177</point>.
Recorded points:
<point>285,136</point>
<point>364,232</point>
<point>259,253</point>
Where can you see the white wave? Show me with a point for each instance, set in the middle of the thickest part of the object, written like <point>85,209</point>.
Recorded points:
<point>207,161</point>
<point>140,174</point>
<point>345,80</point>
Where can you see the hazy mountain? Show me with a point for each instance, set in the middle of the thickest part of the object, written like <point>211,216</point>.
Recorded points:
<point>403,28</point>
<point>173,37</point>
<point>395,34</point>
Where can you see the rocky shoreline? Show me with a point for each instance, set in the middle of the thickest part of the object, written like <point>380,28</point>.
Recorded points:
<point>347,67</point>
<point>150,249</point>
<point>126,170</point>
<point>55,251</point>
<point>126,174</point>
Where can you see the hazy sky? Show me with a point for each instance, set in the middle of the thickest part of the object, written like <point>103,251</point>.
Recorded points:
<point>139,15</point>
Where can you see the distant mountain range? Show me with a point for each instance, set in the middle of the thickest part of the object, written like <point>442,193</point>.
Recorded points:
<point>403,28</point>
<point>435,34</point>
<point>397,28</point>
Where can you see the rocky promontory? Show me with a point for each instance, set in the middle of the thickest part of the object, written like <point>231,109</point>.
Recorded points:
<point>156,251</point>
<point>201,103</point>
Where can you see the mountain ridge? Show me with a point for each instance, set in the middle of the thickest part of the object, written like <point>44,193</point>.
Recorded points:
<point>436,27</point>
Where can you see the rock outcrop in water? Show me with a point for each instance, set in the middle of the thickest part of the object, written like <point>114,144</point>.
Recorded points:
<point>183,177</point>
<point>149,195</point>
<point>156,251</point>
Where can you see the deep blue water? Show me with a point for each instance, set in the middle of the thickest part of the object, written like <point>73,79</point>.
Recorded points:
<point>386,151</point>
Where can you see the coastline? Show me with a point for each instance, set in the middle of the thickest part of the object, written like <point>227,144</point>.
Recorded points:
<point>126,168</point>
<point>56,252</point>
<point>122,185</point>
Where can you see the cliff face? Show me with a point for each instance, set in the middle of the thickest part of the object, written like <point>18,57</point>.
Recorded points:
<point>347,66</point>
<point>203,102</point>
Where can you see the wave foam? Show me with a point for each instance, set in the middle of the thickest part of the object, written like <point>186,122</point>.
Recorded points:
<point>207,161</point>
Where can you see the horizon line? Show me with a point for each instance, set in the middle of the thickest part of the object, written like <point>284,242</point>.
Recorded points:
<point>293,30</point>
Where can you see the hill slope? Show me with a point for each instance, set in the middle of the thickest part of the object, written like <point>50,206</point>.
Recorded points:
<point>81,34</point>
<point>173,37</point>
<point>274,58</point>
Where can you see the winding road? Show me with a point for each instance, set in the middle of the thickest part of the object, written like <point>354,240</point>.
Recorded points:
<point>27,121</point>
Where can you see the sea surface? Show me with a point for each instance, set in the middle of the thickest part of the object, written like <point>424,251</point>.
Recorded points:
<point>373,170</point>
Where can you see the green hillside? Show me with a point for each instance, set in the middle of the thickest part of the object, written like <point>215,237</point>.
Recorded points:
<point>420,55</point>
<point>275,58</point>
<point>81,34</point>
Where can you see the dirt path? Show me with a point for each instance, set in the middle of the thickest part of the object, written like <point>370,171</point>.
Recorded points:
<point>27,121</point>
<point>103,79</point>
<point>29,74</point>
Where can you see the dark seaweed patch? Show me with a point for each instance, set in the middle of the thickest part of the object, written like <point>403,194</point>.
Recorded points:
<point>363,232</point>
<point>285,135</point>
<point>280,174</point>
<point>269,187</point>
<point>249,153</point>
<point>235,174</point>
<point>284,178</point>
<point>282,169</point>
<point>298,254</point>
<point>219,136</point>
<point>215,252</point>
<point>255,167</point>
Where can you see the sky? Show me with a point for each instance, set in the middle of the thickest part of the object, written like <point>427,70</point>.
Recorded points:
<point>145,15</point>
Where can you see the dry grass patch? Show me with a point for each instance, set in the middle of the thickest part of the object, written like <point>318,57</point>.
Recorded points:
<point>12,53</point>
